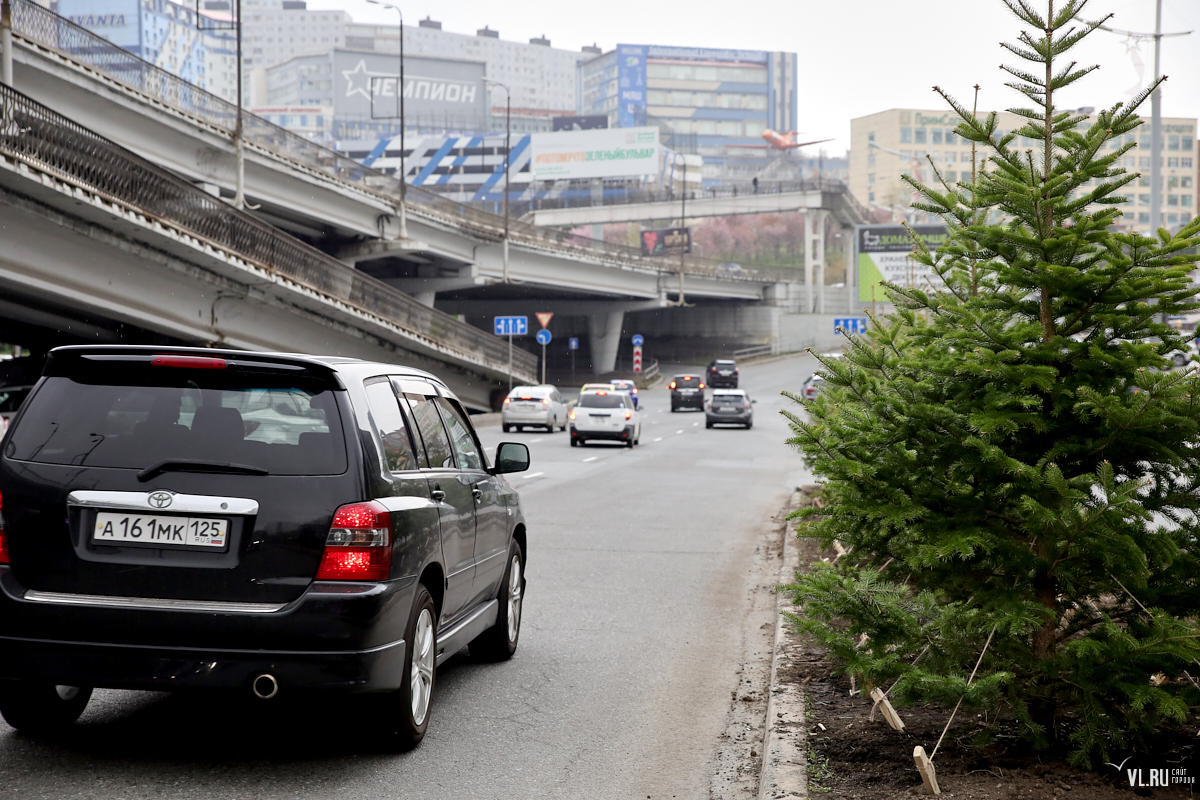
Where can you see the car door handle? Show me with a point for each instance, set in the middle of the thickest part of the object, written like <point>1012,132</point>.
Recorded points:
<point>478,493</point>
<point>438,494</point>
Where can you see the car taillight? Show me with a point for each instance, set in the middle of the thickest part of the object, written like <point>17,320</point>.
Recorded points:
<point>701,384</point>
<point>572,415</point>
<point>545,401</point>
<point>507,400</point>
<point>190,362</point>
<point>672,384</point>
<point>746,405</point>
<point>635,390</point>
<point>735,371</point>
<point>628,415</point>
<point>358,547</point>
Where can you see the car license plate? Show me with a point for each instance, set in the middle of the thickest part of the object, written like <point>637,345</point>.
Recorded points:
<point>688,391</point>
<point>160,531</point>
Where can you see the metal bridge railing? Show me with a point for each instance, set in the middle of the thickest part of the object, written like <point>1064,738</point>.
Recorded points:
<point>44,28</point>
<point>51,143</point>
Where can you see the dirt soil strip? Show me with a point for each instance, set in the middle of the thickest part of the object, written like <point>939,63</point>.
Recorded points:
<point>784,769</point>
<point>739,752</point>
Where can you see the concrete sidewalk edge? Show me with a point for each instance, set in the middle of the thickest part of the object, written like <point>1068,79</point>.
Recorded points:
<point>784,769</point>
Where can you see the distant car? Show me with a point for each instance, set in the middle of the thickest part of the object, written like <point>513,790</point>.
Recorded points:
<point>730,268</point>
<point>687,391</point>
<point>627,386</point>
<point>534,407</point>
<point>605,415</point>
<point>597,387</point>
<point>812,387</point>
<point>723,373</point>
<point>11,398</point>
<point>729,407</point>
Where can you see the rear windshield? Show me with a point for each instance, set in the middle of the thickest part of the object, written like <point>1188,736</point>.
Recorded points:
<point>136,418</point>
<point>728,398</point>
<point>527,392</point>
<point>687,383</point>
<point>602,401</point>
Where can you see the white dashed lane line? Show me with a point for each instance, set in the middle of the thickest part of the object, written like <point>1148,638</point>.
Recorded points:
<point>659,439</point>
<point>590,458</point>
<point>533,475</point>
<point>679,431</point>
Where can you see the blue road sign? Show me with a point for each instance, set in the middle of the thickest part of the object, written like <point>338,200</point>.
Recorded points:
<point>543,337</point>
<point>573,343</point>
<point>850,324</point>
<point>512,326</point>
<point>638,340</point>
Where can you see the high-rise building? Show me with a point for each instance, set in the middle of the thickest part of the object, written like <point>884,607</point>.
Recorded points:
<point>892,143</point>
<point>540,77</point>
<point>274,31</point>
<point>709,101</point>
<point>169,35</point>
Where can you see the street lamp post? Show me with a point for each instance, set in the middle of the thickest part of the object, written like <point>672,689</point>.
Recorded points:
<point>400,94</point>
<point>507,164</point>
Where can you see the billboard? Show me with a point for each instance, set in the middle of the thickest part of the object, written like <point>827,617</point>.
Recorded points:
<point>434,88</point>
<point>884,253</point>
<point>588,123</point>
<point>667,242</point>
<point>604,153</point>
<point>631,85</point>
<point>119,21</point>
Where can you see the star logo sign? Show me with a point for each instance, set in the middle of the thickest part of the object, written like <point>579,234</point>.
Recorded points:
<point>358,80</point>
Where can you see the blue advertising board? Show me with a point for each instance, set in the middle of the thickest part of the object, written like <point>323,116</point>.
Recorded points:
<point>512,326</point>
<point>631,85</point>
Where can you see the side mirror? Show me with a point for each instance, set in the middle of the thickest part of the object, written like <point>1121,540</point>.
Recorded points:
<point>511,457</point>
<point>753,401</point>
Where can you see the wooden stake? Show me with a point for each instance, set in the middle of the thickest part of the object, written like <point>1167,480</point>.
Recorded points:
<point>926,768</point>
<point>889,713</point>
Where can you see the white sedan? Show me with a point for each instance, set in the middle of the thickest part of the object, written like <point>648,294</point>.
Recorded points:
<point>534,407</point>
<point>605,415</point>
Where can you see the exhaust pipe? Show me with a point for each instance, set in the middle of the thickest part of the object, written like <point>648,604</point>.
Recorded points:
<point>265,686</point>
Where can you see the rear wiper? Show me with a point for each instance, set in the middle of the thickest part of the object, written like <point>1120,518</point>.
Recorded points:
<point>189,465</point>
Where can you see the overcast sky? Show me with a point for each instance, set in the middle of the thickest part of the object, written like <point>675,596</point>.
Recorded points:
<point>857,57</point>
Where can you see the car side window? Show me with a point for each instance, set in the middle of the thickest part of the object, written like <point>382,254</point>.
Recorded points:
<point>469,456</point>
<point>393,430</point>
<point>438,452</point>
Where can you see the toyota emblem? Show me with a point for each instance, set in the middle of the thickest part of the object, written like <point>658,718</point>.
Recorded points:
<point>160,499</point>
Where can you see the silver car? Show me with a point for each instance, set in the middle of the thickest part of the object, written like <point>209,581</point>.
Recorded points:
<point>534,407</point>
<point>729,407</point>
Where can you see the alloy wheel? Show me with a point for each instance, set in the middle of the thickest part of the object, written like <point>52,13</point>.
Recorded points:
<point>514,598</point>
<point>422,666</point>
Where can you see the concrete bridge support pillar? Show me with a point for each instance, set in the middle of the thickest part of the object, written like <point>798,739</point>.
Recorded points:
<point>814,260</point>
<point>425,298</point>
<point>605,331</point>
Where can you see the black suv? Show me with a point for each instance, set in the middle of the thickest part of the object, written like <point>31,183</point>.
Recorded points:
<point>723,373</point>
<point>687,391</point>
<point>182,518</point>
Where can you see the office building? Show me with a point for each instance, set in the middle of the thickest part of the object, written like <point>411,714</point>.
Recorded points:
<point>713,102</point>
<point>169,35</point>
<point>277,30</point>
<point>540,77</point>
<point>891,143</point>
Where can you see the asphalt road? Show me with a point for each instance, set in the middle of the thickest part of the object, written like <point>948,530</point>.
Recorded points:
<point>638,567</point>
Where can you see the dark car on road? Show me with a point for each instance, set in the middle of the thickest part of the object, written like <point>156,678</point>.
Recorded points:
<point>729,407</point>
<point>723,373</point>
<point>177,518</point>
<point>687,391</point>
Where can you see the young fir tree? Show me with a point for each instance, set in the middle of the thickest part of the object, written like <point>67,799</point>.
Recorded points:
<point>1009,454</point>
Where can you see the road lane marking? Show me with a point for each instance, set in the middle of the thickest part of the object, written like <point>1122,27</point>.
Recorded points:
<point>679,431</point>
<point>694,424</point>
<point>533,475</point>
<point>534,441</point>
<point>659,439</point>
<point>590,458</point>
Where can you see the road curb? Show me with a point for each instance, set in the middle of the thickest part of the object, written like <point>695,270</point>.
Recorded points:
<point>784,768</point>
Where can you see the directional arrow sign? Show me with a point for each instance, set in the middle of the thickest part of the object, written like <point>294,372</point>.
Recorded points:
<point>543,337</point>
<point>512,326</point>
<point>638,340</point>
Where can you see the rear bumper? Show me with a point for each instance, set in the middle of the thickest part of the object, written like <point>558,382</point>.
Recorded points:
<point>610,435</point>
<point>681,400</point>
<point>171,668</point>
<point>345,636</point>
<point>733,419</point>
<point>526,417</point>
<point>719,382</point>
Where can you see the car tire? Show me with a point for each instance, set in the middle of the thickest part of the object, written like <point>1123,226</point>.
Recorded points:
<point>708,423</point>
<point>550,428</point>
<point>629,444</point>
<point>41,707</point>
<point>499,642</point>
<point>506,427</point>
<point>574,442</point>
<point>749,425</point>
<point>402,719</point>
